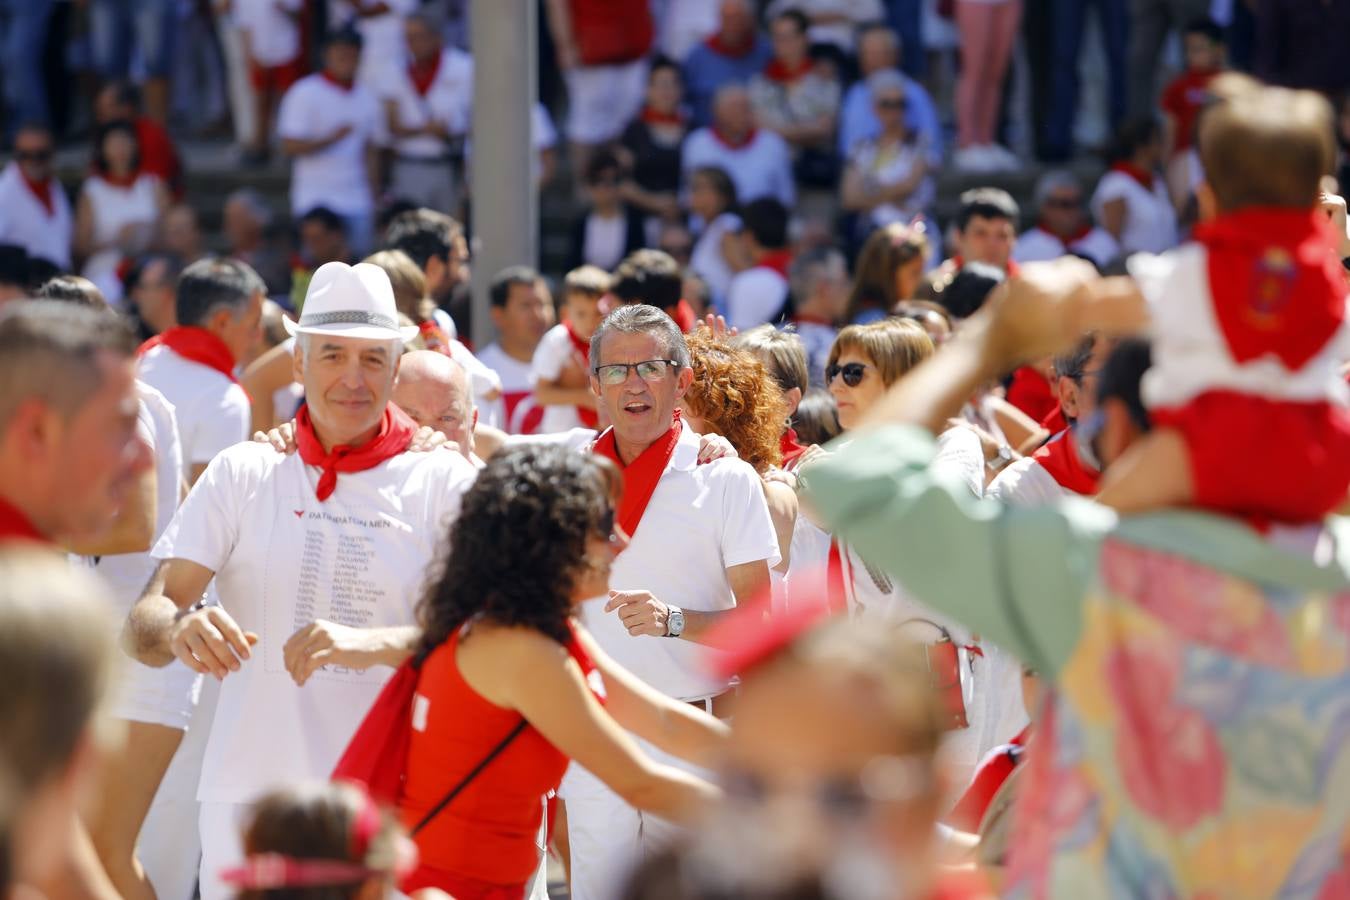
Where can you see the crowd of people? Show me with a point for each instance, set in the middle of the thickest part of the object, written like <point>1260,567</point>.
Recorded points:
<point>867,557</point>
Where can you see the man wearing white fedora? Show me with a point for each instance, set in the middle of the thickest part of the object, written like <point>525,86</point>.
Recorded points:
<point>318,558</point>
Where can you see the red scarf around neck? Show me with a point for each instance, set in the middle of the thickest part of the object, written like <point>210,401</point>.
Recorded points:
<point>16,526</point>
<point>396,432</point>
<point>1078,235</point>
<point>1060,459</point>
<point>733,51</point>
<point>41,190</point>
<point>642,474</point>
<point>684,317</point>
<point>423,75</point>
<point>197,345</point>
<point>723,139</point>
<point>790,448</point>
<point>780,72</point>
<point>589,417</point>
<point>656,117</point>
<point>1277,288</point>
<point>777,260</point>
<point>1143,176</point>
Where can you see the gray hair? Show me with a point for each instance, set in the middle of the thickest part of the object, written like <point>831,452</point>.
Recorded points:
<point>1054,180</point>
<point>1074,363</point>
<point>809,268</point>
<point>49,349</point>
<point>727,90</point>
<point>394,345</point>
<point>254,203</point>
<point>886,80</point>
<point>639,318</point>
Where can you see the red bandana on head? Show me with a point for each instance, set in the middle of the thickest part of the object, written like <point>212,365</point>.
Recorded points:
<point>16,526</point>
<point>396,432</point>
<point>642,474</point>
<point>1276,287</point>
<point>589,417</point>
<point>1060,458</point>
<point>197,345</point>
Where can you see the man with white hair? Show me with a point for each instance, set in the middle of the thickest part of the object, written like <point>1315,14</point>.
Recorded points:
<point>434,391</point>
<point>732,54</point>
<point>317,558</point>
<point>757,159</point>
<point>1064,228</point>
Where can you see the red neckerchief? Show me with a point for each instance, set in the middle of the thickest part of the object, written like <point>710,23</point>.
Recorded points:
<point>434,337</point>
<point>15,526</point>
<point>789,447</point>
<point>777,260</point>
<point>195,345</point>
<point>835,592</point>
<point>656,117</point>
<point>1145,178</point>
<point>1276,288</point>
<point>43,191</point>
<point>737,51</point>
<point>423,75</point>
<point>1054,421</point>
<point>684,316</point>
<point>589,417</point>
<point>344,86</point>
<point>396,432</point>
<point>779,72</point>
<point>1078,235</point>
<point>121,181</point>
<point>642,474</point>
<point>727,142</point>
<point>961,885</point>
<point>993,771</point>
<point>1059,457</point>
<point>1011,269</point>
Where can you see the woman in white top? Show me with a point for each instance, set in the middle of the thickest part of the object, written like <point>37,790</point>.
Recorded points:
<point>717,255</point>
<point>119,209</point>
<point>1131,200</point>
<point>887,179</point>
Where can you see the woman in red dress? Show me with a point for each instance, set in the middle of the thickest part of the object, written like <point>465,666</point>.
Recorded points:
<point>503,655</point>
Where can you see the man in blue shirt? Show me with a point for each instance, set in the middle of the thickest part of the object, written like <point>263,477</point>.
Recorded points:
<point>879,48</point>
<point>733,54</point>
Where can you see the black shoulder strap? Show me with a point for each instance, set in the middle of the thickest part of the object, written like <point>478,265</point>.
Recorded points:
<point>468,779</point>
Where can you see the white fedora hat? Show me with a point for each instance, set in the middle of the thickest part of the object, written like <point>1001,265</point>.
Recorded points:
<point>351,301</point>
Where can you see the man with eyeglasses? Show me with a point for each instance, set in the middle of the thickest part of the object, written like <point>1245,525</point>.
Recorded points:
<point>1063,227</point>
<point>1066,465</point>
<point>34,209</point>
<point>701,543</point>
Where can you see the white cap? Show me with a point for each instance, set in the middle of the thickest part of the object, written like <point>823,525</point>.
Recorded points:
<point>351,301</point>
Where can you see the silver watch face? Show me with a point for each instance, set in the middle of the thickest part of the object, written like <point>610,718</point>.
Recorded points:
<point>675,623</point>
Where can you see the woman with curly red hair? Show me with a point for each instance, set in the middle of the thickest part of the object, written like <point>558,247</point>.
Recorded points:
<point>733,395</point>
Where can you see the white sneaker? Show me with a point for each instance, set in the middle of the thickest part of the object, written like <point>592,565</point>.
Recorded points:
<point>974,158</point>
<point>1001,158</point>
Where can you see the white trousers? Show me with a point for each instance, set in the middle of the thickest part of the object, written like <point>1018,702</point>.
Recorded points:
<point>609,838</point>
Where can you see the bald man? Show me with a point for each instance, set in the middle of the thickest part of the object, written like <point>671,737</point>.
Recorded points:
<point>434,390</point>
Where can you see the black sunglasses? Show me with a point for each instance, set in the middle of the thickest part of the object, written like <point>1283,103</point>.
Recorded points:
<point>33,155</point>
<point>893,103</point>
<point>853,373</point>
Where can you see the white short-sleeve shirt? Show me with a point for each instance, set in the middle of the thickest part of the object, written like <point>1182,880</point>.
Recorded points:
<point>212,411</point>
<point>515,412</point>
<point>701,521</point>
<point>1039,245</point>
<point>755,296</point>
<point>1150,220</point>
<point>336,177</point>
<point>551,357</point>
<point>760,168</point>
<point>448,101</point>
<point>281,561</point>
<point>273,36</point>
<point>26,222</point>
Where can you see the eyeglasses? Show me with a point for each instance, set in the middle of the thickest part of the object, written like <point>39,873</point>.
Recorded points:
<point>852,372</point>
<point>33,155</point>
<point>649,370</point>
<point>892,103</point>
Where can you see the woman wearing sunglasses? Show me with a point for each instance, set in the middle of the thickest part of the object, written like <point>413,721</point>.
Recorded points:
<point>513,687</point>
<point>888,178</point>
<point>867,359</point>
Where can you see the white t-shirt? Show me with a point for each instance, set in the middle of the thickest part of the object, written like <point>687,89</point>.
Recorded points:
<point>888,166</point>
<point>383,46</point>
<point>701,521</point>
<point>761,168</point>
<point>1038,245</point>
<point>282,560</point>
<point>448,101</point>
<point>515,412</point>
<point>756,296</point>
<point>274,37</point>
<point>707,259</point>
<point>336,177</point>
<point>604,239</point>
<point>25,221</point>
<point>1150,220</point>
<point>213,412</point>
<point>1026,483</point>
<point>554,353</point>
<point>114,207</point>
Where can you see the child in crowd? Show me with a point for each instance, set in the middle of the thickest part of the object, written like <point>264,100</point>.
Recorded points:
<point>1249,326</point>
<point>561,367</point>
<point>323,842</point>
<point>1206,55</point>
<point>276,60</point>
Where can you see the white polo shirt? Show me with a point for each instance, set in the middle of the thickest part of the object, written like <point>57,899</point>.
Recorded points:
<point>1026,483</point>
<point>554,353</point>
<point>273,36</point>
<point>755,296</point>
<point>761,168</point>
<point>515,412</point>
<point>1038,245</point>
<point>448,101</point>
<point>1150,220</point>
<point>701,521</point>
<point>212,411</point>
<point>282,560</point>
<point>25,221</point>
<point>336,177</point>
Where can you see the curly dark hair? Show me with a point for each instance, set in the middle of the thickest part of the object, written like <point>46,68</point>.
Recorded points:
<point>519,542</point>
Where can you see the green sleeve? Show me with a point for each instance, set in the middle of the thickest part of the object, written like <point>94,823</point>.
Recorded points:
<point>1014,576</point>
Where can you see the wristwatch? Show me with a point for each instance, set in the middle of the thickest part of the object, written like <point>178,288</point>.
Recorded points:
<point>674,621</point>
<point>1000,462</point>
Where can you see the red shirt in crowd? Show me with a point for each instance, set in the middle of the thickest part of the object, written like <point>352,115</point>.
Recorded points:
<point>158,155</point>
<point>1183,100</point>
<point>611,32</point>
